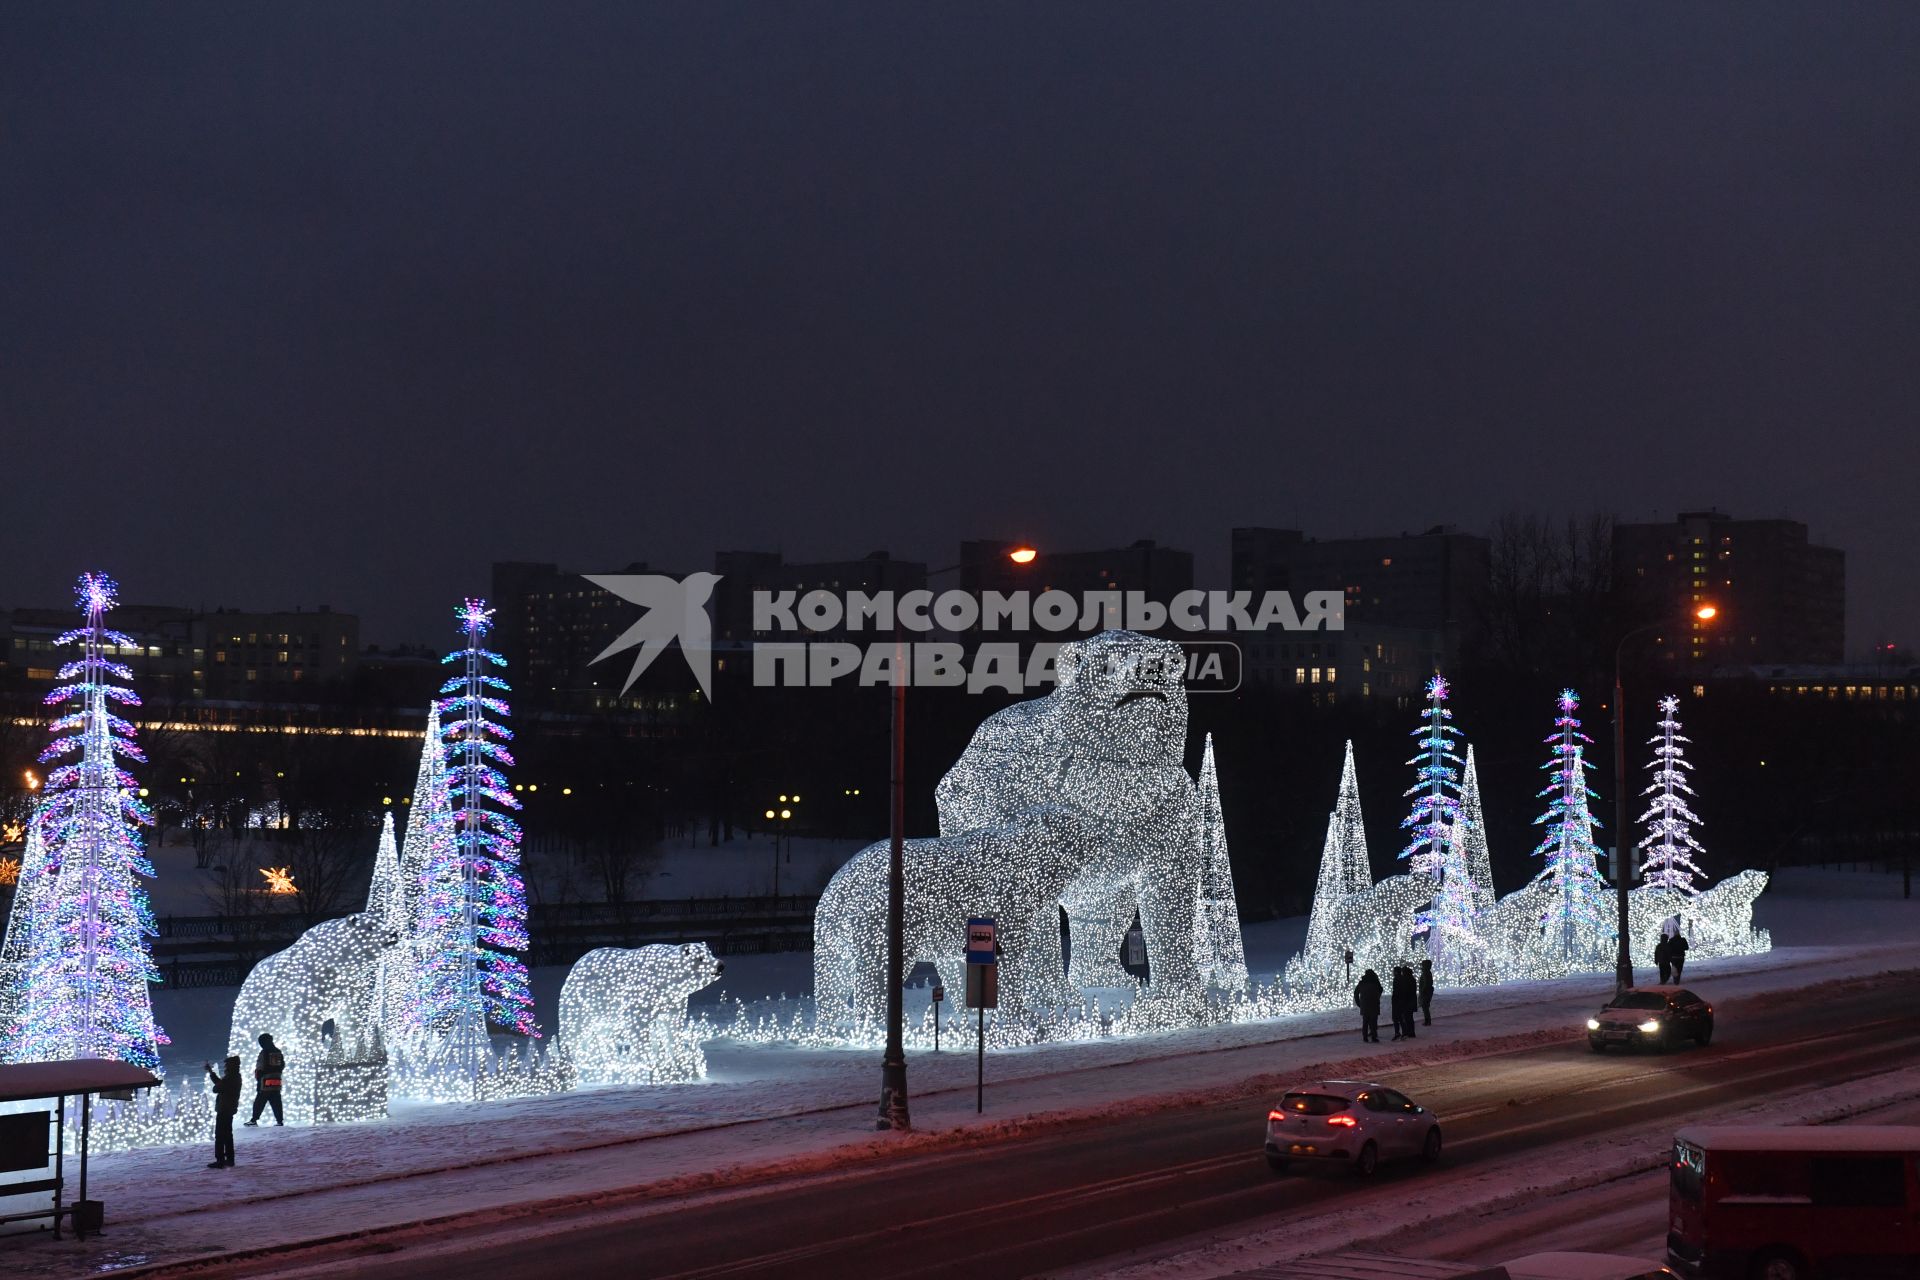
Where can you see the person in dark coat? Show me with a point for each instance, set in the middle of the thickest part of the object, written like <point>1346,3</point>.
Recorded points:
<point>267,1071</point>
<point>1367,996</point>
<point>1677,954</point>
<point>1406,998</point>
<point>1426,993</point>
<point>226,1102</point>
<point>1663,956</point>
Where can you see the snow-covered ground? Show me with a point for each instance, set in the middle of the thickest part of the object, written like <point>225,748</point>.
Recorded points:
<point>767,1109</point>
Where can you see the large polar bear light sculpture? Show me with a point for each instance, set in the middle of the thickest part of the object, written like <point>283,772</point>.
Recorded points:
<point>1079,797</point>
<point>326,976</point>
<point>623,1013</point>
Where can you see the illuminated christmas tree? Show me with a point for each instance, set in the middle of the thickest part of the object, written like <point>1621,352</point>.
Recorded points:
<point>1577,929</point>
<point>1438,850</point>
<point>1344,870</point>
<point>429,814</point>
<point>1473,840</point>
<point>1218,951</point>
<point>396,982</point>
<point>91,965</point>
<point>472,913</point>
<point>1668,848</point>
<point>30,896</point>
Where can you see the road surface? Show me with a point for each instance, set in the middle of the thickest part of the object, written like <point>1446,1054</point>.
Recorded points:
<point>1065,1200</point>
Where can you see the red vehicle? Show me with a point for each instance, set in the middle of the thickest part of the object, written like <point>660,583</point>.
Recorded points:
<point>1795,1203</point>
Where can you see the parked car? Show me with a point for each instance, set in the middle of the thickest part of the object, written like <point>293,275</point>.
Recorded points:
<point>1757,1202</point>
<point>1652,1018</point>
<point>1352,1121</point>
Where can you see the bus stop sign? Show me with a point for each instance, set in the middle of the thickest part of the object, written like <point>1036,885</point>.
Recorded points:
<point>980,940</point>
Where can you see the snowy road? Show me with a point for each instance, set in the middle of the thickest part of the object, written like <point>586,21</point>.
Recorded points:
<point>1079,1200</point>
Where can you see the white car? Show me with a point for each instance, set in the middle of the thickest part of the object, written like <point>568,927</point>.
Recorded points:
<point>1355,1121</point>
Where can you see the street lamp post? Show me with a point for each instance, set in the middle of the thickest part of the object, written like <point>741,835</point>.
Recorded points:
<point>780,818</point>
<point>893,1065</point>
<point>1623,854</point>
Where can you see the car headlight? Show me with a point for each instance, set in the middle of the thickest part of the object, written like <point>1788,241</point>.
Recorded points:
<point>1593,1024</point>
<point>1650,1026</point>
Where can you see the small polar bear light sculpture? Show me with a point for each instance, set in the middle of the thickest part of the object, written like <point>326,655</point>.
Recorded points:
<point>623,1013</point>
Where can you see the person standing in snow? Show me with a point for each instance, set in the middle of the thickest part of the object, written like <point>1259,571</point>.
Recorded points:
<point>1426,993</point>
<point>226,1102</point>
<point>1677,954</point>
<point>1405,1001</point>
<point>267,1069</point>
<point>1367,996</point>
<point>1663,956</point>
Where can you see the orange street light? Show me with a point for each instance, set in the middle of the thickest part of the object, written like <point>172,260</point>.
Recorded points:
<point>1707,612</point>
<point>1023,555</point>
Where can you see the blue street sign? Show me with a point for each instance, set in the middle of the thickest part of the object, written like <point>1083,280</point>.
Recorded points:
<point>980,940</point>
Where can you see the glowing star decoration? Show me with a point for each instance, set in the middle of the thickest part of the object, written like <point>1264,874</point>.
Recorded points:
<point>1667,863</point>
<point>86,987</point>
<point>279,880</point>
<point>472,912</point>
<point>1577,928</point>
<point>623,1013</point>
<point>13,833</point>
<point>9,871</point>
<point>1218,951</point>
<point>1076,798</point>
<point>32,883</point>
<point>317,1000</point>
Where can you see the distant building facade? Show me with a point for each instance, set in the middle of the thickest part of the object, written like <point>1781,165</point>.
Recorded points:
<point>1422,590</point>
<point>180,655</point>
<point>1781,598</point>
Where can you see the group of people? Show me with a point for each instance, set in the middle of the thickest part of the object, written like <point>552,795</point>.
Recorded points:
<point>1411,994</point>
<point>268,1070</point>
<point>1670,954</point>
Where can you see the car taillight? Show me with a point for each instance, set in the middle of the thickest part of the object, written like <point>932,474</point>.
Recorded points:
<point>1276,1115</point>
<point>1345,1122</point>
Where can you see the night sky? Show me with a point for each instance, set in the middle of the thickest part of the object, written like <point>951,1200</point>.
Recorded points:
<point>342,302</point>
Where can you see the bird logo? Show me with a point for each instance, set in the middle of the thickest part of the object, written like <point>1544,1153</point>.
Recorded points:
<point>674,610</point>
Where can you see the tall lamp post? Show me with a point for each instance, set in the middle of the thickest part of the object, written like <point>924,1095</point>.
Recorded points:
<point>782,816</point>
<point>893,1066</point>
<point>1623,855</point>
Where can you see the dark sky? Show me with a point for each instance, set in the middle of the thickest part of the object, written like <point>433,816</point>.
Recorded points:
<point>342,302</point>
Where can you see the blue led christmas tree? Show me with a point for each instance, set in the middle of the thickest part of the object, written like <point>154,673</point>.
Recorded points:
<point>1438,850</point>
<point>90,966</point>
<point>472,911</point>
<point>1577,929</point>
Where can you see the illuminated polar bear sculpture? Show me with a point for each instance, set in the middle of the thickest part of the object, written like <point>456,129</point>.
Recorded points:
<point>1080,797</point>
<point>326,976</point>
<point>1717,921</point>
<point>623,1013</point>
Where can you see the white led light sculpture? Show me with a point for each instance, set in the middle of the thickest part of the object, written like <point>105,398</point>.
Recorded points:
<point>1219,953</point>
<point>1346,869</point>
<point>31,893</point>
<point>327,976</point>
<point>623,1013</point>
<point>1077,798</point>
